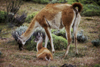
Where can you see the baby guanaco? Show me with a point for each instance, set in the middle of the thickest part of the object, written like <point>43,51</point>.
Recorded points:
<point>42,52</point>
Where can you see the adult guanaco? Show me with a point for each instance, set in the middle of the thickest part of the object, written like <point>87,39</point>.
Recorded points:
<point>42,52</point>
<point>55,16</point>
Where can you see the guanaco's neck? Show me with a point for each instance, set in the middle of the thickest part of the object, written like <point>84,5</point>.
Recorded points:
<point>39,44</point>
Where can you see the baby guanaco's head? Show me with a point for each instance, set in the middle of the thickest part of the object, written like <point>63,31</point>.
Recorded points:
<point>38,37</point>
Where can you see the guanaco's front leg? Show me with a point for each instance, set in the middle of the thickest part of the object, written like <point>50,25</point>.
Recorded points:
<point>48,33</point>
<point>46,40</point>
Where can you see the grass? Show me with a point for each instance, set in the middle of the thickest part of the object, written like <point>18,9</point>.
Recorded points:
<point>88,55</point>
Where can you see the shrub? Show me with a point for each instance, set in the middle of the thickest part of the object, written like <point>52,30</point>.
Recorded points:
<point>30,17</point>
<point>19,30</point>
<point>30,44</point>
<point>96,42</point>
<point>59,42</point>
<point>2,16</point>
<point>90,10</point>
<point>97,65</point>
<point>44,1</point>
<point>41,1</point>
<point>60,32</point>
<point>54,1</point>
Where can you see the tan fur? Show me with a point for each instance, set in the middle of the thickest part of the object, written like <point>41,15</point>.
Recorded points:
<point>49,13</point>
<point>44,52</point>
<point>67,14</point>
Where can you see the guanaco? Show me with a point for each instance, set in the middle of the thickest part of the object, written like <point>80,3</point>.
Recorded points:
<point>42,52</point>
<point>55,16</point>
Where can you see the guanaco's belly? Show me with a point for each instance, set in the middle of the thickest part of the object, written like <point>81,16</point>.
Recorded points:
<point>56,22</point>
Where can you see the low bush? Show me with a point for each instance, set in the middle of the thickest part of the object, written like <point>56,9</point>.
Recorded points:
<point>44,1</point>
<point>2,16</point>
<point>95,2</point>
<point>30,17</point>
<point>30,44</point>
<point>90,10</point>
<point>97,65</point>
<point>96,42</point>
<point>60,32</point>
<point>41,1</point>
<point>19,30</point>
<point>59,42</point>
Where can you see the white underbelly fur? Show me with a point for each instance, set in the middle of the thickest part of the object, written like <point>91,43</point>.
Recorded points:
<point>56,22</point>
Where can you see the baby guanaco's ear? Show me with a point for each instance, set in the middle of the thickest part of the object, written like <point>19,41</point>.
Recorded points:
<point>41,34</point>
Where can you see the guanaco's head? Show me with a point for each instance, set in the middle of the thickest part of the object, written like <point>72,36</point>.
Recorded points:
<point>38,37</point>
<point>20,42</point>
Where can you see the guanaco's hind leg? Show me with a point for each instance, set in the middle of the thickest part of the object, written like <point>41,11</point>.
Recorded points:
<point>68,33</point>
<point>75,38</point>
<point>48,32</point>
<point>75,27</point>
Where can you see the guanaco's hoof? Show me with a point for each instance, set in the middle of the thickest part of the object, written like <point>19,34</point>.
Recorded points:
<point>53,51</point>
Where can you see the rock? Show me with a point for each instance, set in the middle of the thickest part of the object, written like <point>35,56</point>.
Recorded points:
<point>81,37</point>
<point>68,65</point>
<point>60,32</point>
<point>20,30</point>
<point>96,42</point>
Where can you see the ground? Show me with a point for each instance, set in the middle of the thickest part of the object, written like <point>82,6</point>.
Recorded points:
<point>88,55</point>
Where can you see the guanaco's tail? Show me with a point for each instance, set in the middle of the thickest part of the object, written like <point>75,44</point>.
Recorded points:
<point>79,5</point>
